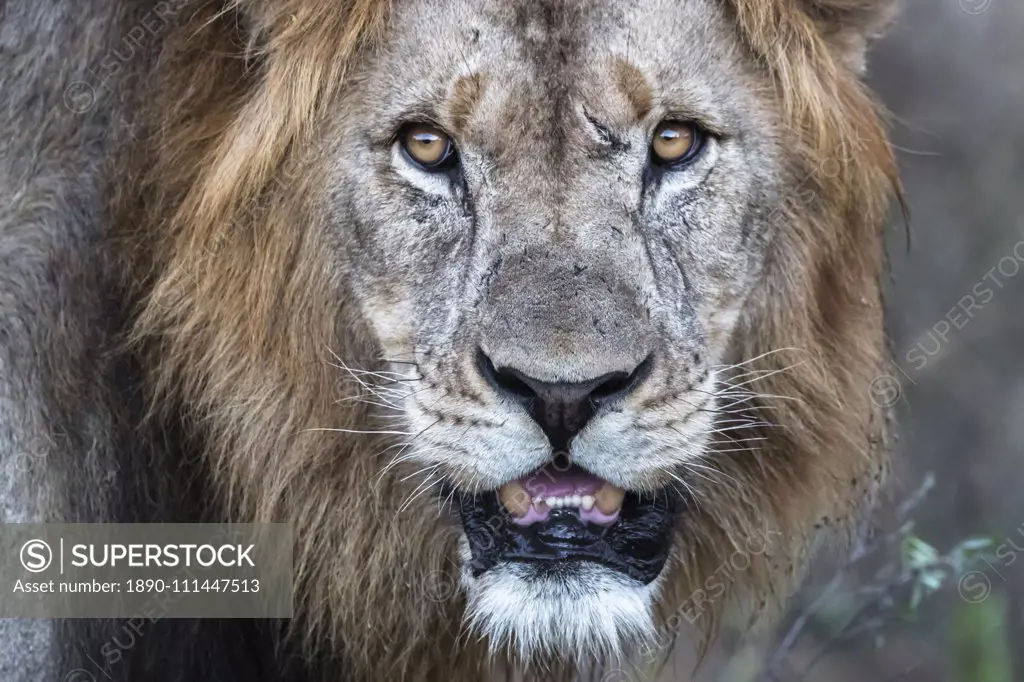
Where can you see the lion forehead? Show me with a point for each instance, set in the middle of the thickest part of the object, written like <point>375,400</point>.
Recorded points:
<point>520,63</point>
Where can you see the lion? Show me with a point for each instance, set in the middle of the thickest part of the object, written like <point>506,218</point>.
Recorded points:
<point>529,317</point>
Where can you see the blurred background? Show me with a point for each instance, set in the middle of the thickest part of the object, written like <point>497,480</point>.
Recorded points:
<point>942,600</point>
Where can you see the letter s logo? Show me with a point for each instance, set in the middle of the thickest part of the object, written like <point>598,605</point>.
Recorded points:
<point>36,556</point>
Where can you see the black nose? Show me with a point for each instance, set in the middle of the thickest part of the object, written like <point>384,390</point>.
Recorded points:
<point>562,409</point>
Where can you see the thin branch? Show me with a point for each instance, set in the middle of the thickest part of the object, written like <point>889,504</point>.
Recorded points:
<point>861,549</point>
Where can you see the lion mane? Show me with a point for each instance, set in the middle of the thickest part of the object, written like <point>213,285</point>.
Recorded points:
<point>235,327</point>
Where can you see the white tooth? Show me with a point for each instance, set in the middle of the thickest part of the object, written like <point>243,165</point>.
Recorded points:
<point>587,502</point>
<point>576,500</point>
<point>560,501</point>
<point>551,502</point>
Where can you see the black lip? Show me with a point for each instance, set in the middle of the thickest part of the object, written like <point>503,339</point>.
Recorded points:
<point>637,544</point>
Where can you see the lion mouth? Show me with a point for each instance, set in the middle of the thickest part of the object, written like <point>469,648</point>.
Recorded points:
<point>532,499</point>
<point>553,519</point>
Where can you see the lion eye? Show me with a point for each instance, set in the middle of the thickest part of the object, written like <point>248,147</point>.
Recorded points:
<point>428,147</point>
<point>675,143</point>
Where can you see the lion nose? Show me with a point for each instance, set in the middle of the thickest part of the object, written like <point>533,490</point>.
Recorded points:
<point>562,409</point>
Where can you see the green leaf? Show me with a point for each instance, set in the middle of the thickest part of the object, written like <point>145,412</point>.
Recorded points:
<point>976,544</point>
<point>917,553</point>
<point>932,579</point>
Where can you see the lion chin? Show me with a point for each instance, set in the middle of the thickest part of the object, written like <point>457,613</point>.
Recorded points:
<point>561,562</point>
<point>578,611</point>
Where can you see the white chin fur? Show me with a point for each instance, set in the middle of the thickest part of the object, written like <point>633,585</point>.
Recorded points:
<point>596,614</point>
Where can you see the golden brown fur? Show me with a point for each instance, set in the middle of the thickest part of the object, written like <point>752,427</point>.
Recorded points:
<point>237,322</point>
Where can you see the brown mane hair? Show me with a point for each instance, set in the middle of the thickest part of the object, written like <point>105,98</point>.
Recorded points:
<point>815,334</point>
<point>237,321</point>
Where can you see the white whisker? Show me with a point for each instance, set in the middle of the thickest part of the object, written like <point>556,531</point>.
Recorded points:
<point>362,432</point>
<point>758,357</point>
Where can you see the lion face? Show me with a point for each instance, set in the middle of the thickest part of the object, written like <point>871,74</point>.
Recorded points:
<point>551,221</point>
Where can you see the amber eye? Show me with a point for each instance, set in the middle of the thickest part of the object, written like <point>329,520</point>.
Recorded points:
<point>428,147</point>
<point>675,142</point>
